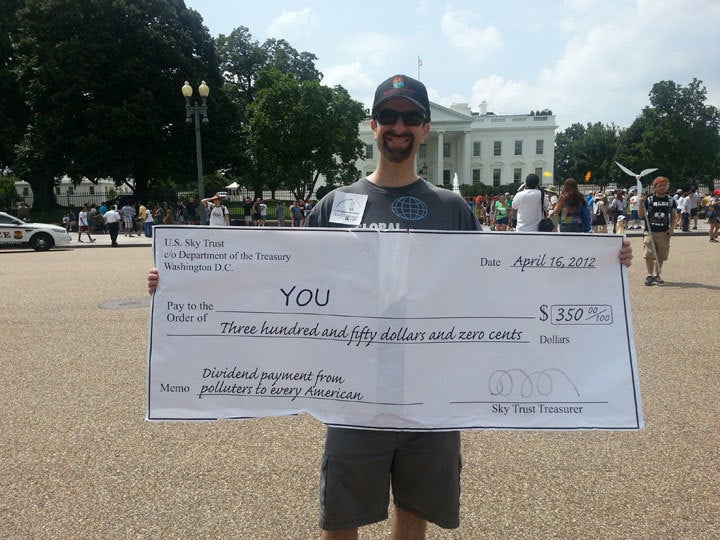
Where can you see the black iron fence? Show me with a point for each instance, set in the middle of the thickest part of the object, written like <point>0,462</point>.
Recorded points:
<point>234,200</point>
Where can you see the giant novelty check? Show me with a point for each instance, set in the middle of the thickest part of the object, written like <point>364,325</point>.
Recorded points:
<point>402,330</point>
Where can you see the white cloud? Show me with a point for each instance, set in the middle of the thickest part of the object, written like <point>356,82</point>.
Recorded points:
<point>350,75</point>
<point>292,23</point>
<point>502,96</point>
<point>372,49</point>
<point>587,60</point>
<point>458,28</point>
<point>610,62</point>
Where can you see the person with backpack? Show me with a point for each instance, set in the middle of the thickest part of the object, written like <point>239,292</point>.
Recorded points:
<point>571,209</point>
<point>660,214</point>
<point>217,211</point>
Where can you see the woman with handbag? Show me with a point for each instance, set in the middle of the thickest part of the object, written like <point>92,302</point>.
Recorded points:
<point>599,221</point>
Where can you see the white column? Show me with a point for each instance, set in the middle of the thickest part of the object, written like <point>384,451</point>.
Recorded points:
<point>467,157</point>
<point>439,170</point>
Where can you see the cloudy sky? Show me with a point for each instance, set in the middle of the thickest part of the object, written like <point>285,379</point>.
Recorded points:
<point>586,60</point>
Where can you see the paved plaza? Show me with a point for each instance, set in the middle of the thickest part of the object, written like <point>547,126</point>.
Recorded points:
<point>79,461</point>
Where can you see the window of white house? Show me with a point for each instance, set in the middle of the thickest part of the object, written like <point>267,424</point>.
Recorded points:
<point>476,176</point>
<point>446,176</point>
<point>517,175</point>
<point>539,146</point>
<point>539,171</point>
<point>497,177</point>
<point>497,148</point>
<point>518,148</point>
<point>71,190</point>
<point>422,151</point>
<point>476,149</point>
<point>446,149</point>
<point>92,190</point>
<point>369,151</point>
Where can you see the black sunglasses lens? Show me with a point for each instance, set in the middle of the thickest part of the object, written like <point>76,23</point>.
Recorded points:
<point>412,118</point>
<point>389,117</point>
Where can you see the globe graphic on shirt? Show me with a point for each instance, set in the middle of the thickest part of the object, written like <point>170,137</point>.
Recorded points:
<point>409,208</point>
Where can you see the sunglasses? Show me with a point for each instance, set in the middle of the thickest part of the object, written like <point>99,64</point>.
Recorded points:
<point>388,117</point>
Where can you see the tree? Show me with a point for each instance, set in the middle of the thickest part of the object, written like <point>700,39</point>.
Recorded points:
<point>299,130</point>
<point>8,193</point>
<point>13,111</point>
<point>105,97</point>
<point>678,132</point>
<point>582,149</point>
<point>243,64</point>
<point>285,59</point>
<point>241,59</point>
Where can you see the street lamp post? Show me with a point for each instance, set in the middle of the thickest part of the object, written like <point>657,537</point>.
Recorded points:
<point>193,110</point>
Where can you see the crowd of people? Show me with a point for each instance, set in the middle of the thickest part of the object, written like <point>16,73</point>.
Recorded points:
<point>255,212</point>
<point>138,219</point>
<point>569,210</point>
<point>614,211</point>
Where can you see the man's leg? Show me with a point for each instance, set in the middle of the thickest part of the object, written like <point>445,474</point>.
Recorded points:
<point>408,526</point>
<point>650,265</point>
<point>347,534</point>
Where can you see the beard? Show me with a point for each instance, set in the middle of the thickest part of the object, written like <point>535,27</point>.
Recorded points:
<point>398,155</point>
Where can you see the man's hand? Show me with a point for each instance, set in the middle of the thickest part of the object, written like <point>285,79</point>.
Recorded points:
<point>626,256</point>
<point>152,280</point>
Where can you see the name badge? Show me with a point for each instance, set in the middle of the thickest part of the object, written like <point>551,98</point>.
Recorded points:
<point>348,208</point>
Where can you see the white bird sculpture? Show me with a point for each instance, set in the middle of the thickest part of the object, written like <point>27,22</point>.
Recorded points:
<point>637,176</point>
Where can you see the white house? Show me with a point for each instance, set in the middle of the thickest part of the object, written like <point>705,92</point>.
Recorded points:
<point>478,146</point>
<point>69,194</point>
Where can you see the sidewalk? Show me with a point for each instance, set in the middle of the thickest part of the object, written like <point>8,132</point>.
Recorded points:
<point>702,230</point>
<point>103,240</point>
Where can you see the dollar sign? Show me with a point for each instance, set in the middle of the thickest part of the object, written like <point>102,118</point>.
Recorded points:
<point>543,311</point>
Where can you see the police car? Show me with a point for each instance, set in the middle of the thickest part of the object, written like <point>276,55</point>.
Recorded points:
<point>15,232</point>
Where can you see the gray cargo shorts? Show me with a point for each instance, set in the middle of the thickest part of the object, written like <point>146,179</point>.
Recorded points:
<point>359,467</point>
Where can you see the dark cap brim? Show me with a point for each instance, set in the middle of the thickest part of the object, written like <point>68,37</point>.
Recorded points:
<point>411,100</point>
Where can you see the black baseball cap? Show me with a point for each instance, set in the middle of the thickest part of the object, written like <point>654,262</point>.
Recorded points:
<point>402,86</point>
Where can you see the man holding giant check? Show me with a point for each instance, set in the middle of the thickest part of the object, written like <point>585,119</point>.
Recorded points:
<point>383,294</point>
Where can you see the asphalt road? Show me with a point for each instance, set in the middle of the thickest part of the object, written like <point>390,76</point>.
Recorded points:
<point>78,460</point>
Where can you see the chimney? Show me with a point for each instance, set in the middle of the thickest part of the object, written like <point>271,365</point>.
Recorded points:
<point>483,107</point>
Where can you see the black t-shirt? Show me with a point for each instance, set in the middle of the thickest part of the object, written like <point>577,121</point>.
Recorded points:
<point>659,212</point>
